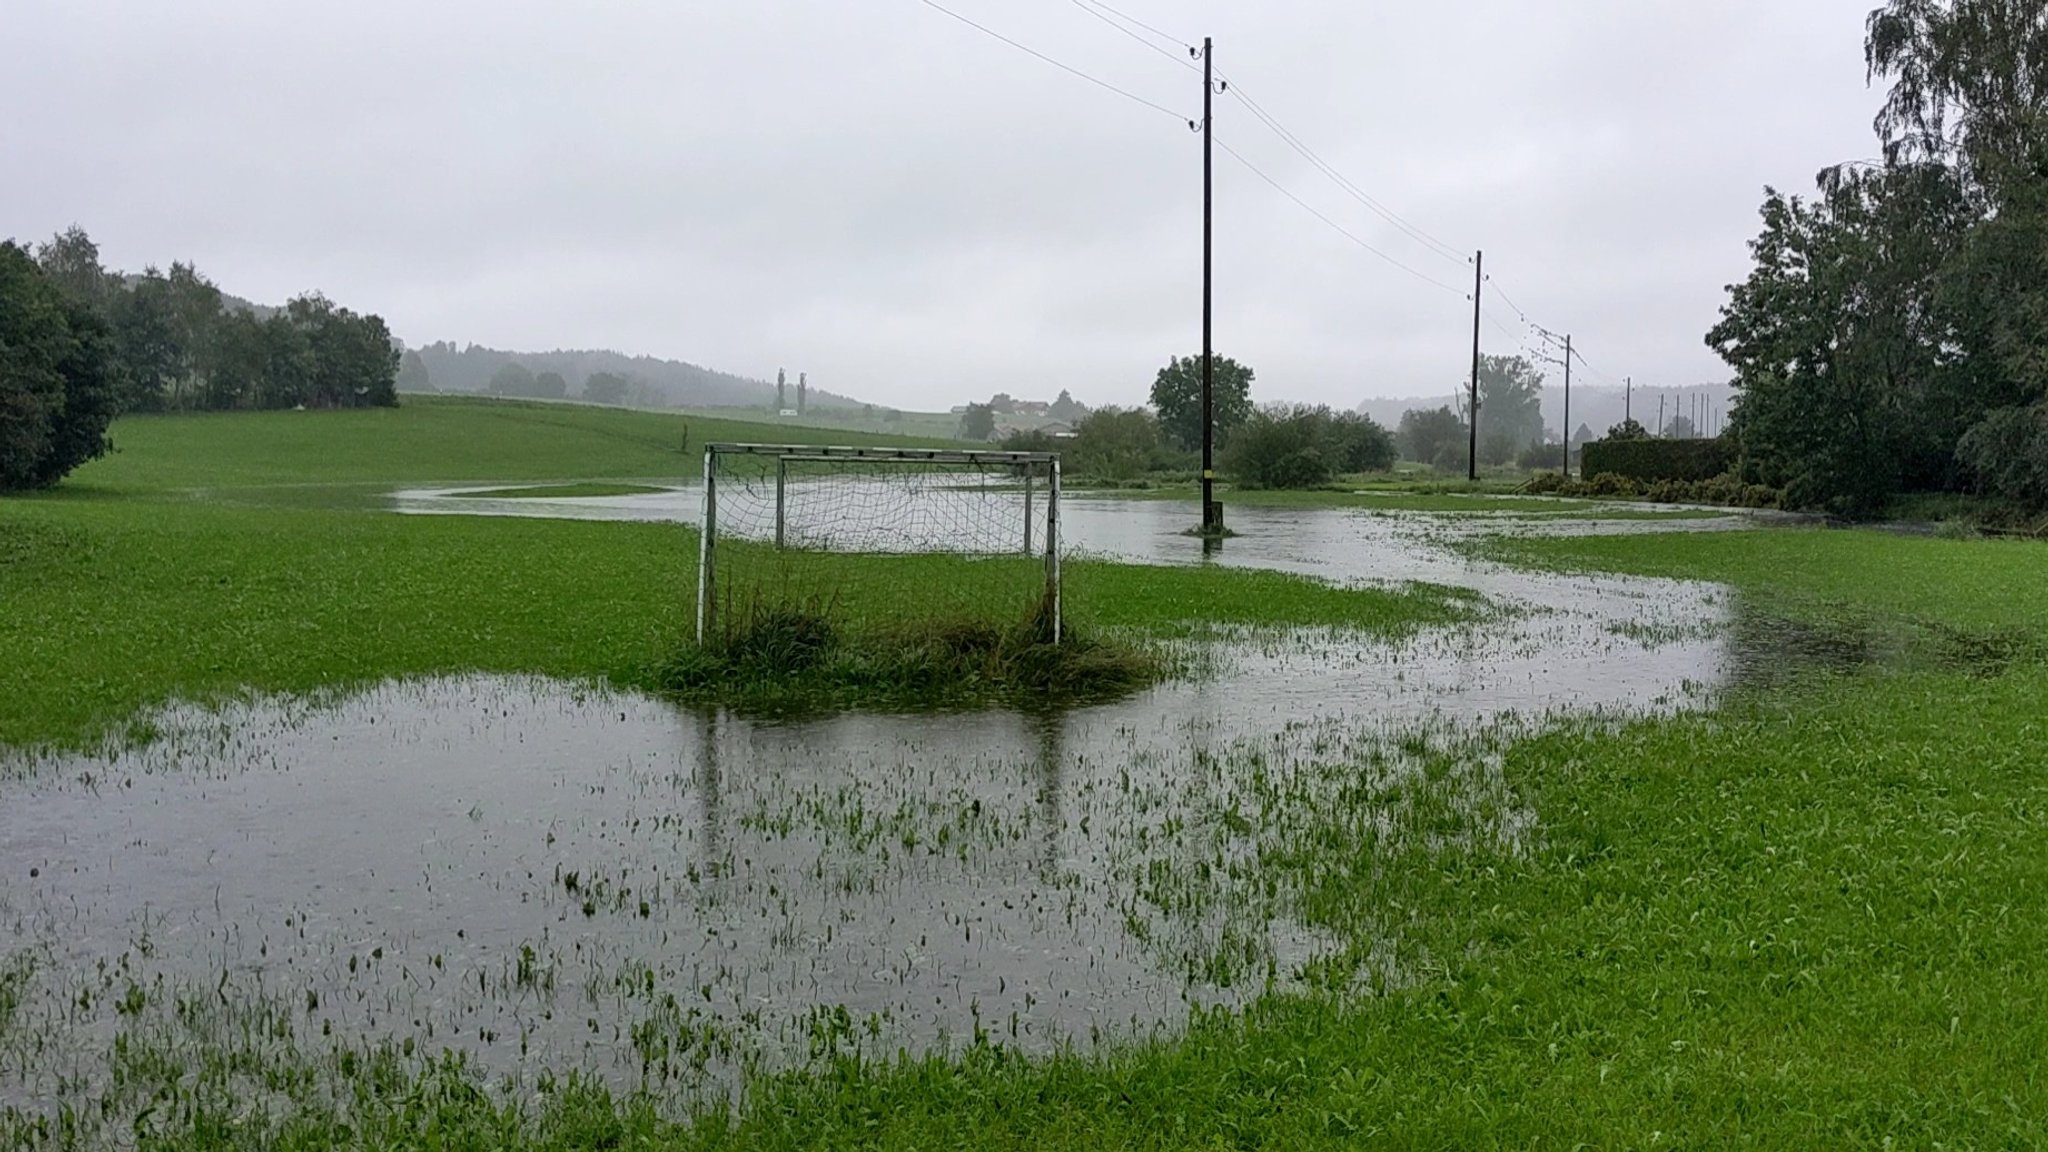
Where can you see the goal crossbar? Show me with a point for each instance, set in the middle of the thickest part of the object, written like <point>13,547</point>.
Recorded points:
<point>1030,464</point>
<point>883,455</point>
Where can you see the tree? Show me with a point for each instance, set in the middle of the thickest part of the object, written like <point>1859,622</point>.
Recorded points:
<point>412,373</point>
<point>1845,393</point>
<point>146,335</point>
<point>1116,444</point>
<point>512,379</point>
<point>1003,404</point>
<point>1681,428</point>
<point>355,360</point>
<point>59,376</point>
<point>195,309</point>
<point>1969,87</point>
<point>1427,436</point>
<point>290,369</point>
<point>1177,397</point>
<point>1510,407</point>
<point>71,262</point>
<point>550,386</point>
<point>1068,410</point>
<point>978,422</point>
<point>1628,430</point>
<point>2007,453</point>
<point>607,388</point>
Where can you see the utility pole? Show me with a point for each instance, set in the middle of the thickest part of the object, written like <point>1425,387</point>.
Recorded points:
<point>1567,406</point>
<point>803,391</point>
<point>781,390</point>
<point>1550,339</point>
<point>1212,512</point>
<point>1628,398</point>
<point>1660,416</point>
<point>1478,292</point>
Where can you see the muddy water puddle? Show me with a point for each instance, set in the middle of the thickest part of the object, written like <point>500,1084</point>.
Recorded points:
<point>551,878</point>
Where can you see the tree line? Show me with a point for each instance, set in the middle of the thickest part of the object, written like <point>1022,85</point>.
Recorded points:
<point>1274,446</point>
<point>80,344</point>
<point>181,344</point>
<point>1893,334</point>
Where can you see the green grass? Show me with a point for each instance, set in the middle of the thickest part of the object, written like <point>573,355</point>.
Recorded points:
<point>1987,587</point>
<point>428,440</point>
<point>115,606</point>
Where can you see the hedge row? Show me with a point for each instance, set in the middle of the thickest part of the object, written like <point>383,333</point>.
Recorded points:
<point>1649,461</point>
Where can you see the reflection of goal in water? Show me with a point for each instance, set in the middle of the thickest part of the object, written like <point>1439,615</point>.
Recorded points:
<point>781,523</point>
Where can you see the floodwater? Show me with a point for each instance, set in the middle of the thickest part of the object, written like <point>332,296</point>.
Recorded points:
<point>551,878</point>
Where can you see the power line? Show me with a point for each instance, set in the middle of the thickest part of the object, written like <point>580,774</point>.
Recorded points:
<point>1295,142</point>
<point>1067,68</point>
<point>1508,300</point>
<point>1345,232</point>
<point>1523,335</point>
<point>1148,45</point>
<point>1129,19</point>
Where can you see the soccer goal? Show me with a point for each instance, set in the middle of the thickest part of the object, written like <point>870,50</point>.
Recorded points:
<point>885,538</point>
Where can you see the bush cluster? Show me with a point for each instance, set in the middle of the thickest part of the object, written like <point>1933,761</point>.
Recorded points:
<point>1303,447</point>
<point>2008,454</point>
<point>1726,490</point>
<point>1648,461</point>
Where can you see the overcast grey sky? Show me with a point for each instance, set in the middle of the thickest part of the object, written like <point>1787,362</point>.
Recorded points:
<point>914,213</point>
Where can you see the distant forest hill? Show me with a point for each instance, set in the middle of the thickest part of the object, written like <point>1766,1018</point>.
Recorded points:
<point>639,381</point>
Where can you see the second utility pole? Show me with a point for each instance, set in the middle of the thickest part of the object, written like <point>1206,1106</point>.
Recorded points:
<point>1478,288</point>
<point>1567,406</point>
<point>1212,512</point>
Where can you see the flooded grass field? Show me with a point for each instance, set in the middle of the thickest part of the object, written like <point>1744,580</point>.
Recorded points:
<point>1535,824</point>
<point>549,880</point>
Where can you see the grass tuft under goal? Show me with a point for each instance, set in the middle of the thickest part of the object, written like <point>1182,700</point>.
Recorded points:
<point>774,656</point>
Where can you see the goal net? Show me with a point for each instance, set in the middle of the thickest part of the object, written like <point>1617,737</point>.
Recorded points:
<point>879,539</point>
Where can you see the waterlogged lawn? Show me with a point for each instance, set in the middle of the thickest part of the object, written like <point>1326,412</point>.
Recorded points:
<point>115,606</point>
<point>1986,587</point>
<point>1807,921</point>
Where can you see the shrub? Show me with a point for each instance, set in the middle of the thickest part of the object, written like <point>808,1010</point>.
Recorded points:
<point>1726,490</point>
<point>2007,452</point>
<point>1302,447</point>
<point>1653,460</point>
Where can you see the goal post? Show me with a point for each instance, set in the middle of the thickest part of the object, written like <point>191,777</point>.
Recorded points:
<point>898,538</point>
